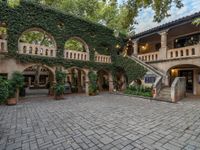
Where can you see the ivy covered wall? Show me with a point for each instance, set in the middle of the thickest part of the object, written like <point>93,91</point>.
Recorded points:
<point>62,27</point>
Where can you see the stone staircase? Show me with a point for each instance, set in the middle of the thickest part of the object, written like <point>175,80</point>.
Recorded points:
<point>165,94</point>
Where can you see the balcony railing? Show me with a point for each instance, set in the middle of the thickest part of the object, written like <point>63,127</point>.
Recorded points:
<point>3,46</point>
<point>153,56</point>
<point>32,49</point>
<point>183,52</point>
<point>102,58</point>
<point>76,55</point>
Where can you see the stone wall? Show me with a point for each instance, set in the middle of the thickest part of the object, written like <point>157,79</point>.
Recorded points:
<point>178,89</point>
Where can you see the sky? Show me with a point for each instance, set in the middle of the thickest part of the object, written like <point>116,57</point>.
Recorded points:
<point>145,18</point>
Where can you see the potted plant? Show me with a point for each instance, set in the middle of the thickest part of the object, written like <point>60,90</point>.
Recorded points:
<point>15,83</point>
<point>59,90</point>
<point>12,99</point>
<point>93,83</point>
<point>3,90</point>
<point>59,87</point>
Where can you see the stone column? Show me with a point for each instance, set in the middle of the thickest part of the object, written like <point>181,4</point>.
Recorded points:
<point>29,81</point>
<point>163,49</point>
<point>86,82</point>
<point>135,47</point>
<point>79,82</point>
<point>111,85</point>
<point>124,83</point>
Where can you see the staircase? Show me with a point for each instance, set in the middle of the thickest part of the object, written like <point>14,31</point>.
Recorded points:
<point>147,66</point>
<point>165,94</point>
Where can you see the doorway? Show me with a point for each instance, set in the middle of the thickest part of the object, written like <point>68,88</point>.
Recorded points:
<point>188,74</point>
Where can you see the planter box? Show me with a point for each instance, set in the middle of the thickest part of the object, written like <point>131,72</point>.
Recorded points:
<point>12,101</point>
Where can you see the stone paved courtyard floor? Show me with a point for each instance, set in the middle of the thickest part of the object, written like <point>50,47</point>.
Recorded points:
<point>101,122</point>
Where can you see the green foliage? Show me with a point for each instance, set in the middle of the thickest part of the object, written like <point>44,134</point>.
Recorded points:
<point>63,27</point>
<point>59,89</point>
<point>139,90</point>
<point>93,83</point>
<point>3,90</point>
<point>73,44</point>
<point>17,80</point>
<point>36,37</point>
<point>60,77</point>
<point>133,70</point>
<point>11,89</point>
<point>196,22</point>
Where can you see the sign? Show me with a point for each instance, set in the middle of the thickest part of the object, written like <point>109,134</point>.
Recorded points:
<point>149,78</point>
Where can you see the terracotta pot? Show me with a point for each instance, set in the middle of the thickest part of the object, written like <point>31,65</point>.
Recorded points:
<point>60,97</point>
<point>12,101</point>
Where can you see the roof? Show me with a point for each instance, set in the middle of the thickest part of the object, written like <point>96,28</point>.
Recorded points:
<point>165,26</point>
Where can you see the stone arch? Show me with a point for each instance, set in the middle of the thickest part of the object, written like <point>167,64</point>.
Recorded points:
<point>42,43</point>
<point>38,79</point>
<point>103,78</point>
<point>121,79</point>
<point>80,40</point>
<point>76,78</point>
<point>38,29</point>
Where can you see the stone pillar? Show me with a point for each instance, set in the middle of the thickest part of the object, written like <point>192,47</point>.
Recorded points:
<point>163,49</point>
<point>79,82</point>
<point>29,81</point>
<point>86,82</point>
<point>111,85</point>
<point>124,83</point>
<point>135,47</point>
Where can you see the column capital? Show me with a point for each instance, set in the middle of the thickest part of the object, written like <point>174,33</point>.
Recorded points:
<point>135,40</point>
<point>163,32</point>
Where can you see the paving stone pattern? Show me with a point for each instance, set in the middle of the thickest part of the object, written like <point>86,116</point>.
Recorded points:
<point>107,122</point>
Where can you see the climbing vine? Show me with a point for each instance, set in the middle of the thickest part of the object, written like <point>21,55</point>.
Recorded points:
<point>62,27</point>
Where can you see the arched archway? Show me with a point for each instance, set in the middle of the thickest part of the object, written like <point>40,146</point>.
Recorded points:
<point>36,41</point>
<point>76,48</point>
<point>103,80</point>
<point>76,44</point>
<point>76,78</point>
<point>38,79</point>
<point>121,80</point>
<point>190,72</point>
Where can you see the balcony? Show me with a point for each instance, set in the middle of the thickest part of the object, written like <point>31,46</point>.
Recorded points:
<point>76,55</point>
<point>3,46</point>
<point>183,52</point>
<point>32,49</point>
<point>102,58</point>
<point>39,50</point>
<point>153,56</point>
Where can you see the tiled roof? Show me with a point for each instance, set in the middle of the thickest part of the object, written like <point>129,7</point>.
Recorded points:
<point>167,25</point>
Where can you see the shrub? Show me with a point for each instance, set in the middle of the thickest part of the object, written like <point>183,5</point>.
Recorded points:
<point>59,89</point>
<point>3,90</point>
<point>139,90</point>
<point>60,80</point>
<point>93,83</point>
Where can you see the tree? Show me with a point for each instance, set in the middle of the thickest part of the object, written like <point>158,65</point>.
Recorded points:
<point>119,17</point>
<point>196,22</point>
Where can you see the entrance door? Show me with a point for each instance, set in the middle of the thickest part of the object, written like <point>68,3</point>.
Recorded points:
<point>188,74</point>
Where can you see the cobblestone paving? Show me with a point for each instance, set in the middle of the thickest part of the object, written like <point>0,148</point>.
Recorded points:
<point>107,122</point>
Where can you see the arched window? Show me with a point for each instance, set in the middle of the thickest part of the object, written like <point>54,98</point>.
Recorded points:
<point>37,42</point>
<point>76,44</point>
<point>37,37</point>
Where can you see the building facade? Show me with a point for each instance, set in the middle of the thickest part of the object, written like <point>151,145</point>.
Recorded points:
<point>174,50</point>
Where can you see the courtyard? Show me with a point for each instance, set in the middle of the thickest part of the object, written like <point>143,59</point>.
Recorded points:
<point>105,121</point>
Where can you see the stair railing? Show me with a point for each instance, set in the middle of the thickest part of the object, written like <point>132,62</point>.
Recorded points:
<point>157,86</point>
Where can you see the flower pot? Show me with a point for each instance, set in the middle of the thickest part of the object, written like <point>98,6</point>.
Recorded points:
<point>12,101</point>
<point>59,97</point>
